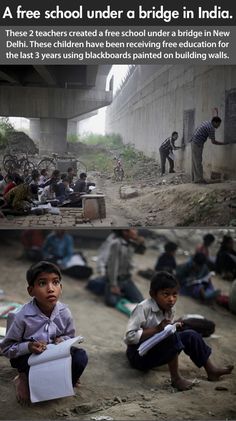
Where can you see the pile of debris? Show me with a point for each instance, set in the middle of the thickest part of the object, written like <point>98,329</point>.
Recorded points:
<point>21,142</point>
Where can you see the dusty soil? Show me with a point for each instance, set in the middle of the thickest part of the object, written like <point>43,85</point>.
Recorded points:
<point>109,386</point>
<point>169,201</point>
<point>171,204</point>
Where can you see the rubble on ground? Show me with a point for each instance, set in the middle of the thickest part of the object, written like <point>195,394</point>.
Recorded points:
<point>21,142</point>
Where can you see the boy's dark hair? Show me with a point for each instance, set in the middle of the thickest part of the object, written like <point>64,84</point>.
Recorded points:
<point>174,133</point>
<point>34,271</point>
<point>200,259</point>
<point>83,175</point>
<point>226,240</point>
<point>208,238</point>
<point>64,177</point>
<point>162,280</point>
<point>216,119</point>
<point>56,173</point>
<point>17,179</point>
<point>35,174</point>
<point>170,247</point>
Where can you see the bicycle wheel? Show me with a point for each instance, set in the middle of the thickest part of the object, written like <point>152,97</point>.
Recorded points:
<point>29,166</point>
<point>81,167</point>
<point>119,173</point>
<point>48,164</point>
<point>10,165</point>
<point>8,157</point>
<point>21,164</point>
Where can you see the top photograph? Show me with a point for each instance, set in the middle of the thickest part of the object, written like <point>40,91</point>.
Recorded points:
<point>117,146</point>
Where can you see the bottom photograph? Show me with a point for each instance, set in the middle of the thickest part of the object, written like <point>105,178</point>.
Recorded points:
<point>101,324</point>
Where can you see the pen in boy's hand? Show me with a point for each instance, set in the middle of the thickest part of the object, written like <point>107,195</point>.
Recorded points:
<point>35,346</point>
<point>33,339</point>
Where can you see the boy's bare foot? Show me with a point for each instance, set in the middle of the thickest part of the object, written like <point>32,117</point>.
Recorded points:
<point>77,384</point>
<point>215,374</point>
<point>22,389</point>
<point>182,384</point>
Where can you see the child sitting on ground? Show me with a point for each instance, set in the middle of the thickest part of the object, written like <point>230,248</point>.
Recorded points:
<point>167,261</point>
<point>150,317</point>
<point>41,321</point>
<point>208,240</point>
<point>195,279</point>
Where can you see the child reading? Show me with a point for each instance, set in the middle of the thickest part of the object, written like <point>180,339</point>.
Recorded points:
<point>150,317</point>
<point>41,321</point>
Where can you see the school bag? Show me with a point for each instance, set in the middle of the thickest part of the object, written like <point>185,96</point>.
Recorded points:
<point>198,323</point>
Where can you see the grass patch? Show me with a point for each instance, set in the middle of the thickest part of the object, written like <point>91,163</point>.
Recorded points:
<point>99,162</point>
<point>108,141</point>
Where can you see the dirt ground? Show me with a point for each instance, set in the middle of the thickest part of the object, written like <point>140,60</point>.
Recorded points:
<point>170,204</point>
<point>110,388</point>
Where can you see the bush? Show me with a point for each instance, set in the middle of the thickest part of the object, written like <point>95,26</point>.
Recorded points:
<point>73,138</point>
<point>108,141</point>
<point>5,129</point>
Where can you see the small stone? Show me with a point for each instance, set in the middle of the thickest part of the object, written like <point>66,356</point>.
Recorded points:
<point>117,399</point>
<point>221,388</point>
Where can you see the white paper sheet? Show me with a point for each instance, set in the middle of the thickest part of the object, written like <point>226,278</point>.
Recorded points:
<point>155,339</point>
<point>50,372</point>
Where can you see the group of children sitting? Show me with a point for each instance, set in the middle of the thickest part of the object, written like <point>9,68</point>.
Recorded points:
<point>19,193</point>
<point>195,275</point>
<point>45,320</point>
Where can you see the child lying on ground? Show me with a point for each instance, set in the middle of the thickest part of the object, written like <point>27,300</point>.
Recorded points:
<point>150,317</point>
<point>41,321</point>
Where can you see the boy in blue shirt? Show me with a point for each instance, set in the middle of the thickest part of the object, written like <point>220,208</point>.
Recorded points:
<point>41,321</point>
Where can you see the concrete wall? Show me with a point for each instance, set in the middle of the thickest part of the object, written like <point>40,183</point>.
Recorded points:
<point>152,103</point>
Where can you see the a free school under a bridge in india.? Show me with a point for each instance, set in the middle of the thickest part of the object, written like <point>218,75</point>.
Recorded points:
<point>108,13</point>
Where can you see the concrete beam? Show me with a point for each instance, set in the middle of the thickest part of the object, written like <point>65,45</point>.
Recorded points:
<point>8,78</point>
<point>44,102</point>
<point>46,75</point>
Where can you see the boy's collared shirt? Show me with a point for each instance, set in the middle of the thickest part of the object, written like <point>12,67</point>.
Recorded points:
<point>59,247</point>
<point>119,261</point>
<point>145,315</point>
<point>30,322</point>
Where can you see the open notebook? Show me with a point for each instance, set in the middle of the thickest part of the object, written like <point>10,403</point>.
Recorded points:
<point>155,339</point>
<point>50,372</point>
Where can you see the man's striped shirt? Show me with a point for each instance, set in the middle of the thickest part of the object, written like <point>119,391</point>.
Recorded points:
<point>167,145</point>
<point>201,134</point>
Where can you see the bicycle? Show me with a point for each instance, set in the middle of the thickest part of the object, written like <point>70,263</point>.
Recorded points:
<point>11,163</point>
<point>118,170</point>
<point>51,163</point>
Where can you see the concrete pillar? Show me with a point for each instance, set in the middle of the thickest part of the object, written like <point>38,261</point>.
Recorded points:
<point>72,128</point>
<point>34,130</point>
<point>53,136</point>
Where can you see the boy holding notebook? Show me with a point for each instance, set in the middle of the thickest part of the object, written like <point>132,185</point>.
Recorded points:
<point>41,321</point>
<point>150,317</point>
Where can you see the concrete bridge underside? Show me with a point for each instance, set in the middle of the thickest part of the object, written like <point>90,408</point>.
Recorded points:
<point>159,99</point>
<point>51,96</point>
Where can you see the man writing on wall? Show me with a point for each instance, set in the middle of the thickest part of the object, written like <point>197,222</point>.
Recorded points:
<point>200,136</point>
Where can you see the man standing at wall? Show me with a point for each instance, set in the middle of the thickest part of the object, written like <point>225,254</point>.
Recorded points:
<point>166,152</point>
<point>200,136</point>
